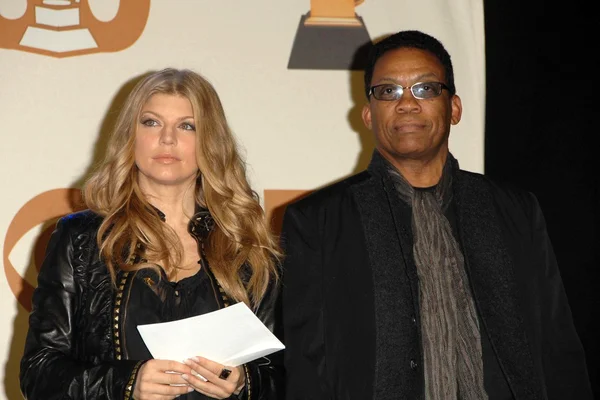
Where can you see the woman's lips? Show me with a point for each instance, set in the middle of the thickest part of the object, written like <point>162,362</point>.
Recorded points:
<point>165,159</point>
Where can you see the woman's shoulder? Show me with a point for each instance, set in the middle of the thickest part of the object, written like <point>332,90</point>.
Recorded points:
<point>71,246</point>
<point>80,222</point>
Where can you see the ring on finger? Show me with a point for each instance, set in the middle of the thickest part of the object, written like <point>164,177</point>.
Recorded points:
<point>224,373</point>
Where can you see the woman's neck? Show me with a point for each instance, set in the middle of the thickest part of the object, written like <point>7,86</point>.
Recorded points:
<point>176,204</point>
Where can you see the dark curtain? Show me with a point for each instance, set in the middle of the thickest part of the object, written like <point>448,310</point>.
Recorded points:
<point>541,79</point>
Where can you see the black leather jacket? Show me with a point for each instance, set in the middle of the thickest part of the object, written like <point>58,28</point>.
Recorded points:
<point>73,346</point>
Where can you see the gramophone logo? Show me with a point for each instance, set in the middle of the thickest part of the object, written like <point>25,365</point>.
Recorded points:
<point>43,210</point>
<point>63,28</point>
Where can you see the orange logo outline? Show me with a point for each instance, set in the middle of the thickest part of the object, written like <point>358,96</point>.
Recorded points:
<point>47,207</point>
<point>65,28</point>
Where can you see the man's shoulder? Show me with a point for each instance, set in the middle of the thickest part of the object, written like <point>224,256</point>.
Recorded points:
<point>333,192</point>
<point>503,192</point>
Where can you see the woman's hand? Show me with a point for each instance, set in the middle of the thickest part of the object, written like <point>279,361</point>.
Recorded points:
<point>207,377</point>
<point>161,380</point>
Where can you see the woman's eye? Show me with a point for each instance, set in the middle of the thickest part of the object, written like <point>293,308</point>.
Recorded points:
<point>149,122</point>
<point>188,127</point>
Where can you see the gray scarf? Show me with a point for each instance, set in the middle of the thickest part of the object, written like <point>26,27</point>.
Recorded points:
<point>450,329</point>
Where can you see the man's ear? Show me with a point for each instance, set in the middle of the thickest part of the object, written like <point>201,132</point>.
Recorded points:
<point>366,115</point>
<point>456,109</point>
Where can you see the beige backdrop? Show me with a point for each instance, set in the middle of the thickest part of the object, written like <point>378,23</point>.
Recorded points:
<point>66,65</point>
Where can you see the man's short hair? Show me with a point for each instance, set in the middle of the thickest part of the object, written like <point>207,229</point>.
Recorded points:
<point>412,39</point>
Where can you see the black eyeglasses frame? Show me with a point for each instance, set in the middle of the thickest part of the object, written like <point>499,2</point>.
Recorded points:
<point>443,86</point>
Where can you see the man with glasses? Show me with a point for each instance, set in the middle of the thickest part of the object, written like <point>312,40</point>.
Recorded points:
<point>415,279</point>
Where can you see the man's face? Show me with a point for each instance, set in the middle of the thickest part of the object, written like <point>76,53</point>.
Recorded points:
<point>410,128</point>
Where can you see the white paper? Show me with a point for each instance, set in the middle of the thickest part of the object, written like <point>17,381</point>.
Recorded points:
<point>230,336</point>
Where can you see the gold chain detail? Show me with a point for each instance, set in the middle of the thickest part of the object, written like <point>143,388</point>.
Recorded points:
<point>248,381</point>
<point>116,313</point>
<point>129,386</point>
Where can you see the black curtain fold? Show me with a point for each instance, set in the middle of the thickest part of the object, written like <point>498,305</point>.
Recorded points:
<point>541,80</point>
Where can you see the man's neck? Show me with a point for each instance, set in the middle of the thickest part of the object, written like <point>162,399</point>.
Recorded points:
<point>420,173</point>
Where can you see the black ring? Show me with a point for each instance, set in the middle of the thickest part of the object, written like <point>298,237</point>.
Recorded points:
<point>224,373</point>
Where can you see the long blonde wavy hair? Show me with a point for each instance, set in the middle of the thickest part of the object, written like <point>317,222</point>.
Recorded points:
<point>241,237</point>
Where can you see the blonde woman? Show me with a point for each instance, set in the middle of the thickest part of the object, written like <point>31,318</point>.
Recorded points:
<point>172,230</point>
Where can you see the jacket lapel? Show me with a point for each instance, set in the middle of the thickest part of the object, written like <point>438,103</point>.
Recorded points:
<point>386,224</point>
<point>492,277</point>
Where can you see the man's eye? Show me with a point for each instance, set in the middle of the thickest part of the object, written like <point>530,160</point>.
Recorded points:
<point>389,89</point>
<point>427,88</point>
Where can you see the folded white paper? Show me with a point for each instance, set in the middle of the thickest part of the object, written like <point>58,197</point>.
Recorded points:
<point>230,336</point>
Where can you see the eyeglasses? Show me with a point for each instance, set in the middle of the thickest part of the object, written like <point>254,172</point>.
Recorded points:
<point>420,90</point>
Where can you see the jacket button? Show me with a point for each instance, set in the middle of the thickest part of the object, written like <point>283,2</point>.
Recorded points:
<point>413,364</point>
<point>413,320</point>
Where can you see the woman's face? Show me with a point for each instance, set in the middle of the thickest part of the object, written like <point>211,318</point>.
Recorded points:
<point>165,143</point>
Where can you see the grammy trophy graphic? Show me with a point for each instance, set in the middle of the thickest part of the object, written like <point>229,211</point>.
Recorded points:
<point>330,36</point>
<point>333,13</point>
